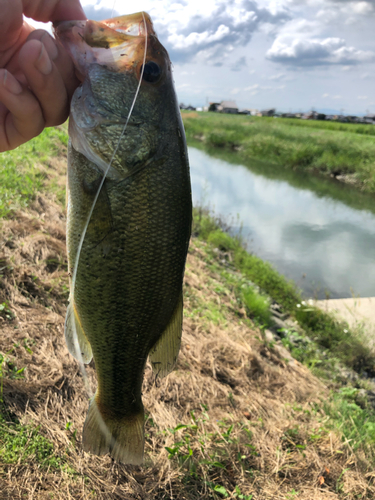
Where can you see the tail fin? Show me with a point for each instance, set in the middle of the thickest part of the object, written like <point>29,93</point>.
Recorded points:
<point>122,438</point>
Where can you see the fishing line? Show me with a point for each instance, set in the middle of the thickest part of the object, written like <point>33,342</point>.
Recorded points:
<point>113,8</point>
<point>74,276</point>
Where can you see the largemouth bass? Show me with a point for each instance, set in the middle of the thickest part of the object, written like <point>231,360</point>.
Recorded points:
<point>126,303</point>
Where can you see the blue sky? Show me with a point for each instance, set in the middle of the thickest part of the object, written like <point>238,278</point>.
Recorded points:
<point>288,54</point>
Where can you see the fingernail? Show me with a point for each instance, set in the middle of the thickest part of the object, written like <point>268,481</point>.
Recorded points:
<point>43,63</point>
<point>11,83</point>
<point>50,46</point>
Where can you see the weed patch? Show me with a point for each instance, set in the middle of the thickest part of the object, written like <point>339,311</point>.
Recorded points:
<point>346,151</point>
<point>24,444</point>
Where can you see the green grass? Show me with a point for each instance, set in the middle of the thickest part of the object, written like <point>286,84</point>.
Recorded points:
<point>20,182</point>
<point>247,294</point>
<point>257,305</point>
<point>354,418</point>
<point>20,175</point>
<point>205,456</point>
<point>346,412</point>
<point>353,128</point>
<point>24,444</point>
<point>325,342</point>
<point>327,148</point>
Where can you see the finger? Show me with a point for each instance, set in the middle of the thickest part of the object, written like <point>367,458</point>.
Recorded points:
<point>53,90</point>
<point>53,10</point>
<point>62,60</point>
<point>11,23</point>
<point>22,118</point>
<point>45,81</point>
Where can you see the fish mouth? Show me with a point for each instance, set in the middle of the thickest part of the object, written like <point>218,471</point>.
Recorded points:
<point>119,43</point>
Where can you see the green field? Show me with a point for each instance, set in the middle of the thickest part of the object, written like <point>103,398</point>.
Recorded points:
<point>329,148</point>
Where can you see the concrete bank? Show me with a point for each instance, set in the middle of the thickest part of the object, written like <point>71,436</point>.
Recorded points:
<point>358,312</point>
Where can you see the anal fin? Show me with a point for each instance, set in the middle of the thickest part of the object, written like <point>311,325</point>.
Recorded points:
<point>163,355</point>
<point>76,338</point>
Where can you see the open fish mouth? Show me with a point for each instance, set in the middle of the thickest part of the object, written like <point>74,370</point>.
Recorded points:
<point>118,43</point>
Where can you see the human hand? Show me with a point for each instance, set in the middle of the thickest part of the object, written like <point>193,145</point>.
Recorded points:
<point>37,77</point>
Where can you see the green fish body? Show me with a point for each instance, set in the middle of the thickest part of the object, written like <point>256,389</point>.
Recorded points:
<point>127,299</point>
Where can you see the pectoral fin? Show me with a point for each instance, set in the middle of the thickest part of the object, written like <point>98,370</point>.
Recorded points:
<point>163,355</point>
<point>75,337</point>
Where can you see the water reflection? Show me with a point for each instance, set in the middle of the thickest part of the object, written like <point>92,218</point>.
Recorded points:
<point>318,241</point>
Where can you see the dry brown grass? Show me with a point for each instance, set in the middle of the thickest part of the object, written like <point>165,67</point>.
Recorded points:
<point>225,375</point>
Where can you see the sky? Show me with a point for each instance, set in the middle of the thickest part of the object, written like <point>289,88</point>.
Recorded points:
<point>292,55</point>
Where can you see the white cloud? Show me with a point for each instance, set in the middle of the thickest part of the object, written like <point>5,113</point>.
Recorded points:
<point>206,31</point>
<point>314,52</point>
<point>361,7</point>
<point>257,88</point>
<point>198,39</point>
<point>252,87</point>
<point>325,96</point>
<point>278,76</point>
<point>215,37</point>
<point>362,97</point>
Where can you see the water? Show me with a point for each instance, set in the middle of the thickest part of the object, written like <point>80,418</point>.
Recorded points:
<point>317,232</point>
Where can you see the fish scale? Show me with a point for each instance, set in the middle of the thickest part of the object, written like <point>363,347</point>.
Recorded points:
<point>127,300</point>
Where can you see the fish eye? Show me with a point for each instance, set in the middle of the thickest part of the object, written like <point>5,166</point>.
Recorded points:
<point>151,72</point>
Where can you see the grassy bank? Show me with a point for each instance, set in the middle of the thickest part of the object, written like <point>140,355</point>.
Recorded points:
<point>336,340</point>
<point>342,150</point>
<point>24,170</point>
<point>239,417</point>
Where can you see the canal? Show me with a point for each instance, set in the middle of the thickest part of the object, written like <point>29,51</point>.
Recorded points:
<point>316,231</point>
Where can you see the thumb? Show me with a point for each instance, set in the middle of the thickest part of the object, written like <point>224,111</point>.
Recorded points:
<point>53,10</point>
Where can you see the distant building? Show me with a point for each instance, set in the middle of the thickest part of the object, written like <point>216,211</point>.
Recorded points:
<point>369,118</point>
<point>352,119</point>
<point>291,115</point>
<point>213,106</point>
<point>311,115</point>
<point>187,108</point>
<point>243,112</point>
<point>253,112</point>
<point>341,118</point>
<point>267,112</point>
<point>227,107</point>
